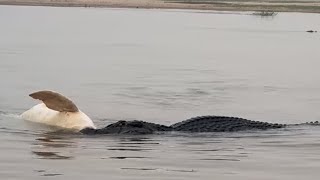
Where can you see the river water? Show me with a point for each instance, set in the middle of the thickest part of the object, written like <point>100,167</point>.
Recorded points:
<point>161,66</point>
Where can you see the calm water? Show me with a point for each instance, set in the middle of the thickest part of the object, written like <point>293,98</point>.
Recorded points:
<point>160,66</point>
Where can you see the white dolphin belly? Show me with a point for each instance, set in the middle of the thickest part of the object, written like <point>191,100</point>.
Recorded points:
<point>69,120</point>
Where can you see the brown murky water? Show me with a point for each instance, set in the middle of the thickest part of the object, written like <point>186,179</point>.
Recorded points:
<point>160,66</point>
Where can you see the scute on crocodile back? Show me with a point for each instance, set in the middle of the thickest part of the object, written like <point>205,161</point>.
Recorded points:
<point>196,124</point>
<point>129,127</point>
<point>221,124</point>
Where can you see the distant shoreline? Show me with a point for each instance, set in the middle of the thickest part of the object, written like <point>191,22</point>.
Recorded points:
<point>229,5</point>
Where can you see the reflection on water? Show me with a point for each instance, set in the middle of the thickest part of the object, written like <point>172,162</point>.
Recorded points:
<point>51,147</point>
<point>122,157</point>
<point>49,155</point>
<point>154,169</point>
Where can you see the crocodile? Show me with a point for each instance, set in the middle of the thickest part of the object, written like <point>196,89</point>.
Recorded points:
<point>57,110</point>
<point>196,124</point>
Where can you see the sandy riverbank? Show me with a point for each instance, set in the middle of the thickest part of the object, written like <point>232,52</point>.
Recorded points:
<point>311,6</point>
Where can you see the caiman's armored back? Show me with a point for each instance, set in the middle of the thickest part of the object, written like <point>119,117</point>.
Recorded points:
<point>221,124</point>
<point>197,124</point>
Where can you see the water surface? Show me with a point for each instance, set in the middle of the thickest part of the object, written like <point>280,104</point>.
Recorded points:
<point>161,66</point>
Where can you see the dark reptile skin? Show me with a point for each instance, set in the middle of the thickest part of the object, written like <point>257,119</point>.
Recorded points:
<point>221,124</point>
<point>196,124</point>
<point>128,127</point>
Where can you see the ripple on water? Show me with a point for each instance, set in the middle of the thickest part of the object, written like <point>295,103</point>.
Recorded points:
<point>218,159</point>
<point>50,155</point>
<point>127,157</point>
<point>46,173</point>
<point>159,169</point>
<point>52,174</point>
<point>129,149</point>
